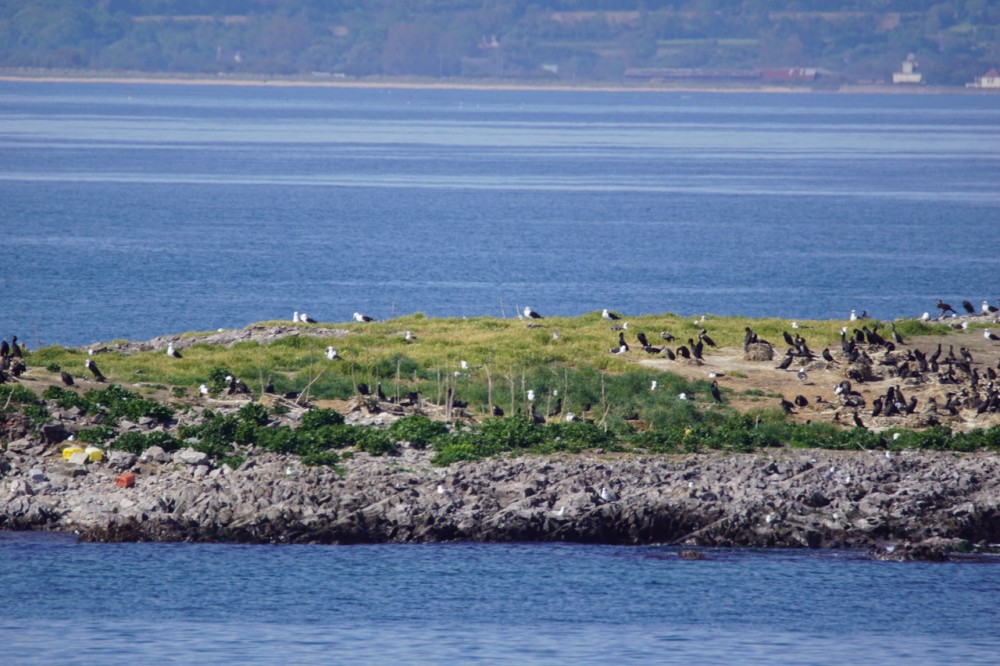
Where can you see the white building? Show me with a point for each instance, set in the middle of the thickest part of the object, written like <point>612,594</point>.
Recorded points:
<point>908,73</point>
<point>990,79</point>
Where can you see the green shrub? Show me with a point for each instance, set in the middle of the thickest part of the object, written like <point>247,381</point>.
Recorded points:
<point>96,435</point>
<point>18,394</point>
<point>137,442</point>
<point>375,442</point>
<point>318,418</point>
<point>418,430</point>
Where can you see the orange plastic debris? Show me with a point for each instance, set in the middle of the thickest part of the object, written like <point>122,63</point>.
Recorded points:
<point>126,480</point>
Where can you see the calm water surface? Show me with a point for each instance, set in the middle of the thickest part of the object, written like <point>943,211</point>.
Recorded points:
<point>136,210</point>
<point>101,603</point>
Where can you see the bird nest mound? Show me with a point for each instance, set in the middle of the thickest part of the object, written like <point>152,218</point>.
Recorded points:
<point>865,370</point>
<point>758,351</point>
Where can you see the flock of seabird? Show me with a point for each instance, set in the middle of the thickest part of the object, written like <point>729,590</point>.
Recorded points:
<point>865,354</point>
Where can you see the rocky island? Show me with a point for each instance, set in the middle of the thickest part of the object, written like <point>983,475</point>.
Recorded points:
<point>582,476</point>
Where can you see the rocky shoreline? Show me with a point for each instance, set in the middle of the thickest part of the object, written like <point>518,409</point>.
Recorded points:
<point>903,505</point>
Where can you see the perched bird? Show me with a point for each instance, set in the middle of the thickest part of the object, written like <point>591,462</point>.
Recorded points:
<point>332,354</point>
<point>15,349</point>
<point>363,389</point>
<point>67,378</point>
<point>854,315</point>
<point>653,385</point>
<point>801,401</point>
<point>90,365</point>
<point>441,490</point>
<point>802,376</point>
<point>531,314</point>
<point>306,319</point>
<point>785,363</point>
<point>555,334</point>
<point>988,309</point>
<point>409,337</point>
<point>171,352</point>
<point>363,318</point>
<point>827,356</point>
<point>4,349</point>
<point>607,495</point>
<point>641,337</point>
<point>295,316</point>
<point>203,390</point>
<point>716,395</point>
<point>607,314</point>
<point>990,335</point>
<point>968,307</point>
<point>944,307</point>
<point>496,411</point>
<point>235,386</point>
<point>703,334</point>
<point>667,336</point>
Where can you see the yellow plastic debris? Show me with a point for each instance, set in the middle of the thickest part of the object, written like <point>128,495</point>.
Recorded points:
<point>70,450</point>
<point>94,454</point>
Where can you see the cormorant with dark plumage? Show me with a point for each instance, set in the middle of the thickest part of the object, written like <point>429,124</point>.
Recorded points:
<point>827,356</point>
<point>787,362</point>
<point>641,337</point>
<point>716,395</point>
<point>683,352</point>
<point>15,349</point>
<point>703,334</point>
<point>944,307</point>
<point>67,378</point>
<point>90,365</point>
<point>4,349</point>
<point>968,307</point>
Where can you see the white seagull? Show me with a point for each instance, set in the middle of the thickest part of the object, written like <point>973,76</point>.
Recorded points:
<point>363,318</point>
<point>531,314</point>
<point>171,352</point>
<point>306,319</point>
<point>609,315</point>
<point>652,385</point>
<point>607,495</point>
<point>990,335</point>
<point>332,354</point>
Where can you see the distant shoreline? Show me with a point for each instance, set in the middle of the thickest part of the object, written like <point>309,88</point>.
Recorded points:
<point>38,76</point>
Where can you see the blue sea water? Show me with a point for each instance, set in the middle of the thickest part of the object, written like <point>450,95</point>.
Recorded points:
<point>65,602</point>
<point>134,210</point>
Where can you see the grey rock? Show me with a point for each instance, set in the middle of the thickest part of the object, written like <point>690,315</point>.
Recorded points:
<point>155,454</point>
<point>120,460</point>
<point>54,433</point>
<point>192,457</point>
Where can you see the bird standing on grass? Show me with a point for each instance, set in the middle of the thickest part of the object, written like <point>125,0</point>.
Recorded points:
<point>90,365</point>
<point>363,318</point>
<point>531,314</point>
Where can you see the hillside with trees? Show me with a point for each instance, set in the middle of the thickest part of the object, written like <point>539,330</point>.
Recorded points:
<point>566,40</point>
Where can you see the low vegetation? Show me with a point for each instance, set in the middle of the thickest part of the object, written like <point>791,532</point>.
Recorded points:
<point>486,366</point>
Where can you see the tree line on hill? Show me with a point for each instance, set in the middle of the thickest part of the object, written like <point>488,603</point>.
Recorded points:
<point>579,40</point>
